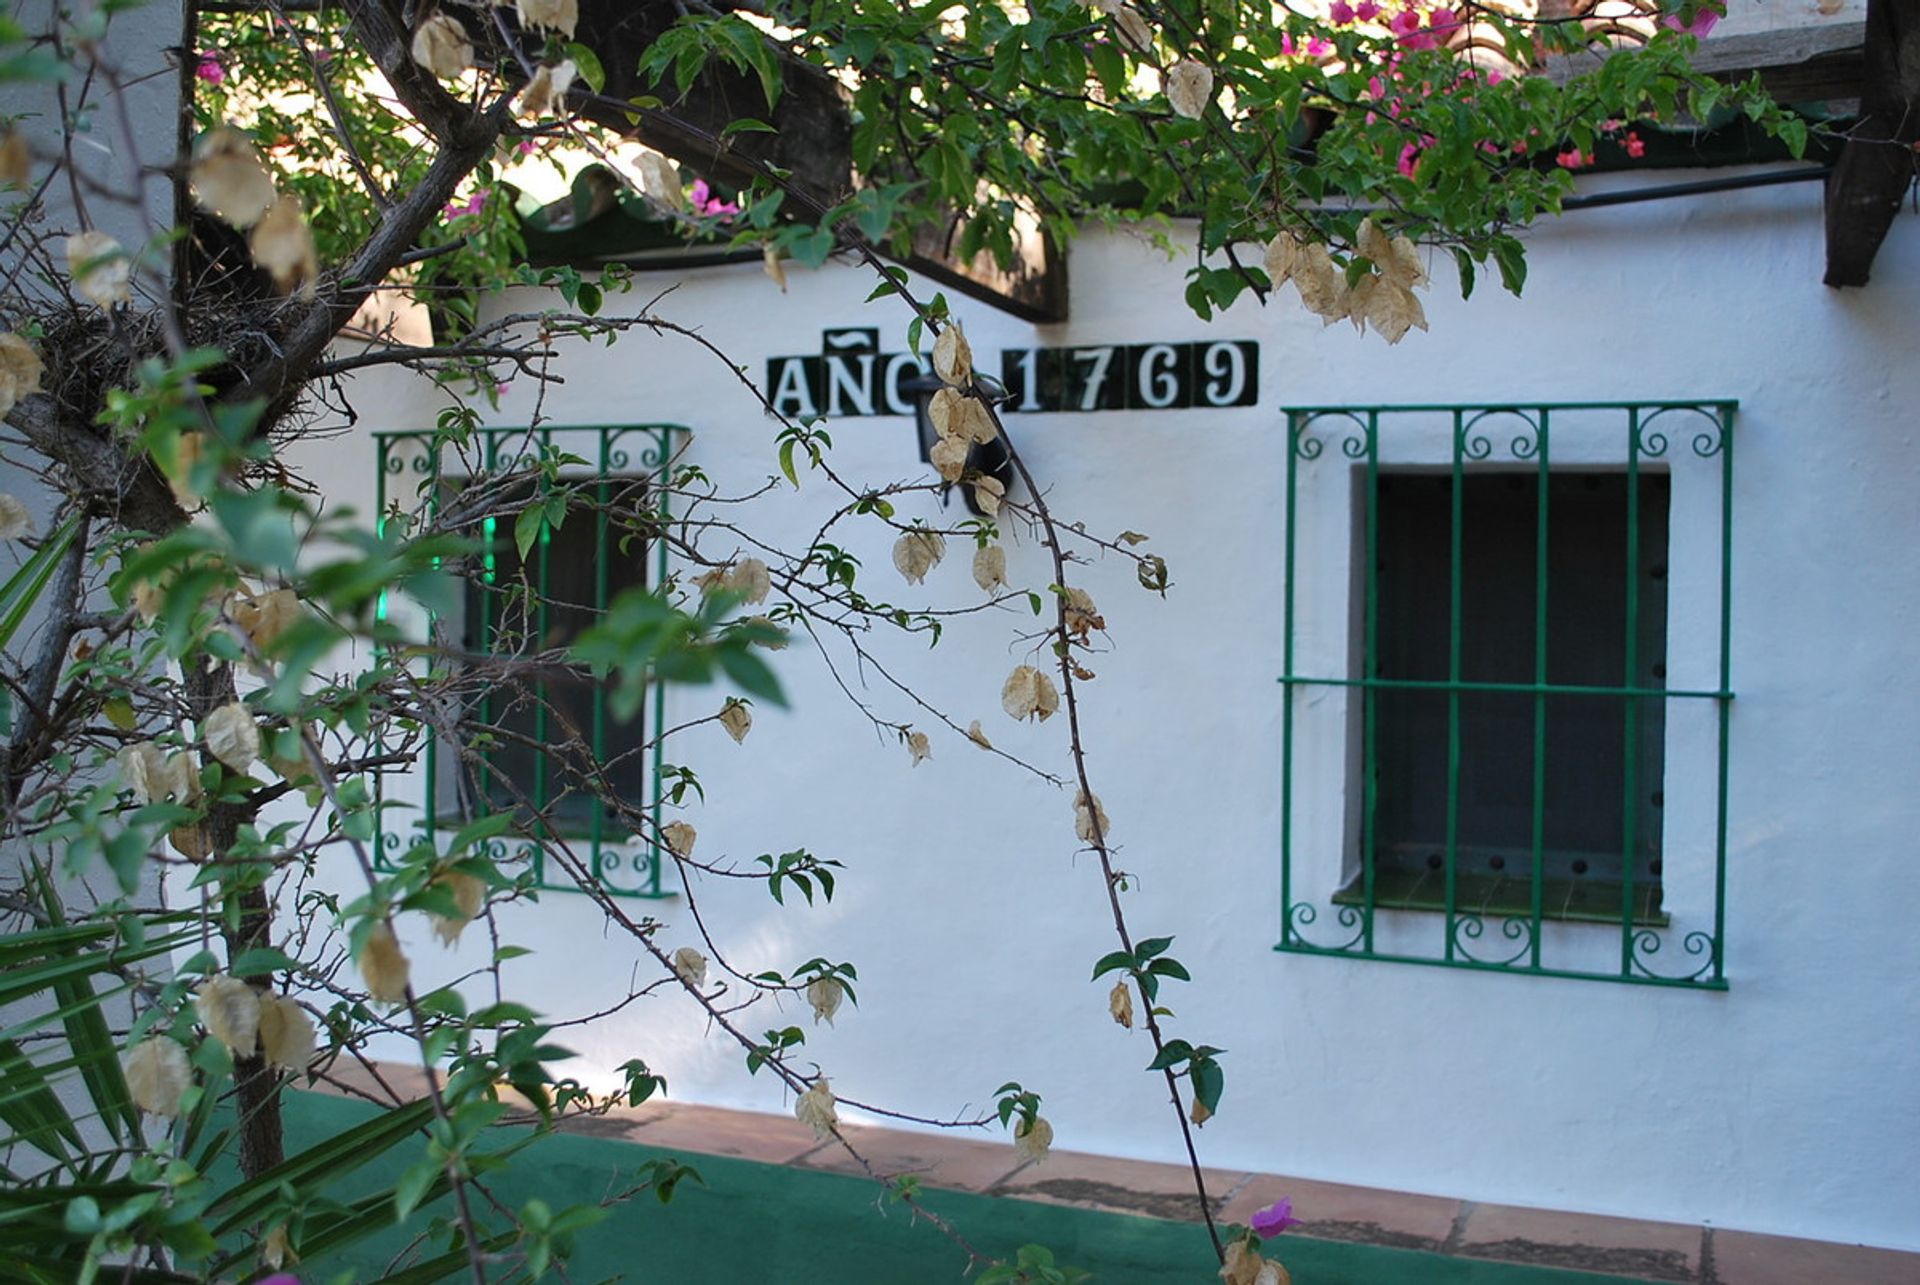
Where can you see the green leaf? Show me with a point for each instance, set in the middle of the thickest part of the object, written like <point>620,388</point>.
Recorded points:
<point>1118,959</point>
<point>589,64</point>
<point>751,674</point>
<point>1209,1081</point>
<point>24,586</point>
<point>527,528</point>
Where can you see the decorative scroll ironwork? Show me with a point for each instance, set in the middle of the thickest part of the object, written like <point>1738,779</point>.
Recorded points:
<point>1645,944</point>
<point>626,867</point>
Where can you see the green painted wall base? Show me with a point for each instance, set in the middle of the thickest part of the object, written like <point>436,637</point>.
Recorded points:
<point>757,1222</point>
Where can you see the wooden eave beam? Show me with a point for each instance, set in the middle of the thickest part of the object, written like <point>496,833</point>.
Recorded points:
<point>812,143</point>
<point>1876,167</point>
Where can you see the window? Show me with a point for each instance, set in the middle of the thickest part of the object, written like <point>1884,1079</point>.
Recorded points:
<point>1480,732</point>
<point>524,607</point>
<point>1485,793</point>
<point>538,605</point>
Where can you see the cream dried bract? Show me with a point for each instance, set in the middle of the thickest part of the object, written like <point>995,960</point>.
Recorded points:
<point>1086,811</point>
<point>100,268</point>
<point>228,177</point>
<point>469,894</point>
<point>1322,286</point>
<point>1032,1141</point>
<point>990,567</point>
<point>230,1010</point>
<point>748,577</point>
<point>977,736</point>
<point>1189,86</point>
<point>825,994</point>
<point>1082,617</point>
<point>15,521</point>
<point>737,719</point>
<point>659,180</point>
<point>918,552</point>
<point>282,244</point>
<point>286,1033</point>
<point>384,966</point>
<point>1029,693</point>
<point>679,838</point>
<point>20,370</point>
<point>1404,264</point>
<point>987,493</point>
<point>815,1110</point>
<point>232,736</point>
<point>266,616</point>
<point>1135,32</point>
<point>1393,309</point>
<point>1120,1004</point>
<point>142,769</point>
<point>554,15</point>
<point>546,93</point>
<point>953,356</point>
<point>690,965</point>
<point>770,263</point>
<point>1369,240</point>
<point>949,457</point>
<point>919,747</point>
<point>1283,252</point>
<point>440,45</point>
<point>16,160</point>
<point>157,1075</point>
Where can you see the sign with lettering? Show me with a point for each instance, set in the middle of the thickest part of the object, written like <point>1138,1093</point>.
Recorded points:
<point>1222,372</point>
<point>852,377</point>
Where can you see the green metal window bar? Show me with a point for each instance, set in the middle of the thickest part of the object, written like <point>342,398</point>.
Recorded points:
<point>1673,934</point>
<point>414,473</point>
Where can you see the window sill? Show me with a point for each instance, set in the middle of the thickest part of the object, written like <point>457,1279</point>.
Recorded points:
<point>1578,900</point>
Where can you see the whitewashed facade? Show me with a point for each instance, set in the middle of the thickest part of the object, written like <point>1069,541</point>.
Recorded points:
<point>1789,1102</point>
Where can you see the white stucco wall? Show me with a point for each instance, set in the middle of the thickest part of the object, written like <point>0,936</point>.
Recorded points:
<point>1789,1104</point>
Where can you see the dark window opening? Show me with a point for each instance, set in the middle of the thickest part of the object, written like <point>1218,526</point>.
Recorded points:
<point>553,721</point>
<point>1598,754</point>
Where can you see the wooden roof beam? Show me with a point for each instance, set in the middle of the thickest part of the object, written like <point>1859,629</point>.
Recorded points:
<point>1876,167</point>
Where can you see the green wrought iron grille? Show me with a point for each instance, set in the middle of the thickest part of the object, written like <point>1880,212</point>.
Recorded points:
<point>1507,687</point>
<point>417,471</point>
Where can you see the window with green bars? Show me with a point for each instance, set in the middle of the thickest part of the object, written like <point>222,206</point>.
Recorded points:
<point>1506,687</point>
<point>542,732</point>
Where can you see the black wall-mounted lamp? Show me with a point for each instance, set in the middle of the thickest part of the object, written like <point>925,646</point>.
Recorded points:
<point>990,460</point>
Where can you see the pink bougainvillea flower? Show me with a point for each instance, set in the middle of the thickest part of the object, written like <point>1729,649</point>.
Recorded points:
<point>1404,23</point>
<point>1366,10</point>
<point>209,68</point>
<point>1274,1219</point>
<point>279,1278</point>
<point>1340,11</point>
<point>1636,147</point>
<point>1409,155</point>
<point>1443,20</point>
<point>1702,23</point>
<point>708,205</point>
<point>1572,159</point>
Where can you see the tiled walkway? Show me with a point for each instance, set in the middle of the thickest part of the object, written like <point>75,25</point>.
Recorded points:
<point>1329,1211</point>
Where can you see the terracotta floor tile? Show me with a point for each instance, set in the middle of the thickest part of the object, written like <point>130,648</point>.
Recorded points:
<point>712,1131</point>
<point>957,1163</point>
<point>1747,1258</point>
<point>1592,1242</point>
<point>1122,1186</point>
<point>1335,1211</point>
